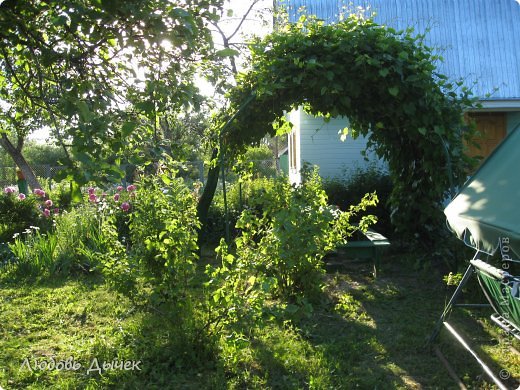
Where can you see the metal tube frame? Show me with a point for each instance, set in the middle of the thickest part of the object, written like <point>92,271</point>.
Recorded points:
<point>442,322</point>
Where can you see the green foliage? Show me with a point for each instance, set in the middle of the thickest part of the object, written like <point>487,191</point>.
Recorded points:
<point>452,279</point>
<point>239,195</point>
<point>90,94</point>
<point>386,83</point>
<point>296,229</point>
<point>351,187</point>
<point>76,244</point>
<point>163,231</point>
<point>284,235</point>
<point>80,241</point>
<point>237,294</point>
<point>34,252</point>
<point>18,215</point>
<point>61,195</point>
<point>41,154</point>
<point>257,153</point>
<point>257,161</point>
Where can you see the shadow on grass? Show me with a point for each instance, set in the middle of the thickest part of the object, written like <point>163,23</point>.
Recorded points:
<point>368,334</point>
<point>404,305</point>
<point>18,278</point>
<point>167,353</point>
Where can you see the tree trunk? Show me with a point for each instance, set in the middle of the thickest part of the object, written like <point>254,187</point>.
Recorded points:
<point>20,161</point>
<point>208,193</point>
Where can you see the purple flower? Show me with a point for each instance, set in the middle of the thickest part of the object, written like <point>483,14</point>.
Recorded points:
<point>9,190</point>
<point>125,206</point>
<point>91,190</point>
<point>21,196</point>
<point>39,192</point>
<point>48,203</point>
<point>116,197</point>
<point>92,198</point>
<point>131,188</point>
<point>119,188</point>
<point>47,213</point>
<point>56,210</point>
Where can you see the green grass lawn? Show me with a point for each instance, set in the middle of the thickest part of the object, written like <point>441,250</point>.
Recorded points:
<point>368,334</point>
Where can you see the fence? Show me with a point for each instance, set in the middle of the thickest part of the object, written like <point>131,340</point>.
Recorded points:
<point>8,174</point>
<point>189,170</point>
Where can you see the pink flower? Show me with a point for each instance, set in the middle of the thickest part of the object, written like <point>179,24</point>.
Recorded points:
<point>47,213</point>
<point>39,192</point>
<point>21,196</point>
<point>48,203</point>
<point>9,190</point>
<point>125,206</point>
<point>56,210</point>
<point>91,190</point>
<point>131,188</point>
<point>116,197</point>
<point>119,188</point>
<point>92,198</point>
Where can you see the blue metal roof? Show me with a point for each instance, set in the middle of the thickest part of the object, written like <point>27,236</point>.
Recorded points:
<point>478,39</point>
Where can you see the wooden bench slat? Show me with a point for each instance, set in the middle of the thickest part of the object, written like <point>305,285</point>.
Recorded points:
<point>369,247</point>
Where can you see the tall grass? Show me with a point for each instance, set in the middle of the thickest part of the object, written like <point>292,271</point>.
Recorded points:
<point>70,247</point>
<point>34,251</point>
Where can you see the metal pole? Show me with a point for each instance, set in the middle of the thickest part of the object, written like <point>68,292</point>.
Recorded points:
<point>450,304</point>
<point>482,364</point>
<point>240,195</point>
<point>201,171</point>
<point>226,210</point>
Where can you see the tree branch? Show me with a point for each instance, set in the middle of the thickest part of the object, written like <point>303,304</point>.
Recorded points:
<point>244,17</point>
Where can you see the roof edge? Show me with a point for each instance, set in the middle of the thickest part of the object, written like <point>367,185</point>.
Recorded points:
<point>499,105</point>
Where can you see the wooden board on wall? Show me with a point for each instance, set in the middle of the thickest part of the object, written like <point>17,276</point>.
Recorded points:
<point>491,128</point>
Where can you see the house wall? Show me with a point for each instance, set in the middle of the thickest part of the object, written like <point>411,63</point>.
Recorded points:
<point>320,144</point>
<point>294,148</point>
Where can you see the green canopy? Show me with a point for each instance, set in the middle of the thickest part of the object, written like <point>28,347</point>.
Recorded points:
<point>486,212</point>
<point>501,298</point>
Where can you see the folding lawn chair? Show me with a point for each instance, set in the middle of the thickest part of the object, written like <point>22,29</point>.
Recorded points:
<point>485,215</point>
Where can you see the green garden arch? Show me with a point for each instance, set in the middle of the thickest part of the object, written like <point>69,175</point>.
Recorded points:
<point>384,81</point>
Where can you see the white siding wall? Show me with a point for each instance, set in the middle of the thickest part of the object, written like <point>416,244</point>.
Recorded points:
<point>294,148</point>
<point>320,145</point>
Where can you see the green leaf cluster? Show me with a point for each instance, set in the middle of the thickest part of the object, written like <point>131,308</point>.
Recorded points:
<point>276,266</point>
<point>95,72</point>
<point>386,83</point>
<point>163,232</point>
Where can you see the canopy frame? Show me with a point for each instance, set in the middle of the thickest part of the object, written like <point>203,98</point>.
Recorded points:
<point>475,266</point>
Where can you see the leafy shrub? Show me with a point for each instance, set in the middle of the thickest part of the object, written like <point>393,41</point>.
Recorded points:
<point>60,193</point>
<point>75,244</point>
<point>7,257</point>
<point>284,234</point>
<point>18,215</point>
<point>256,153</point>
<point>80,240</point>
<point>255,162</point>
<point>239,195</point>
<point>93,236</point>
<point>163,232</point>
<point>349,189</point>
